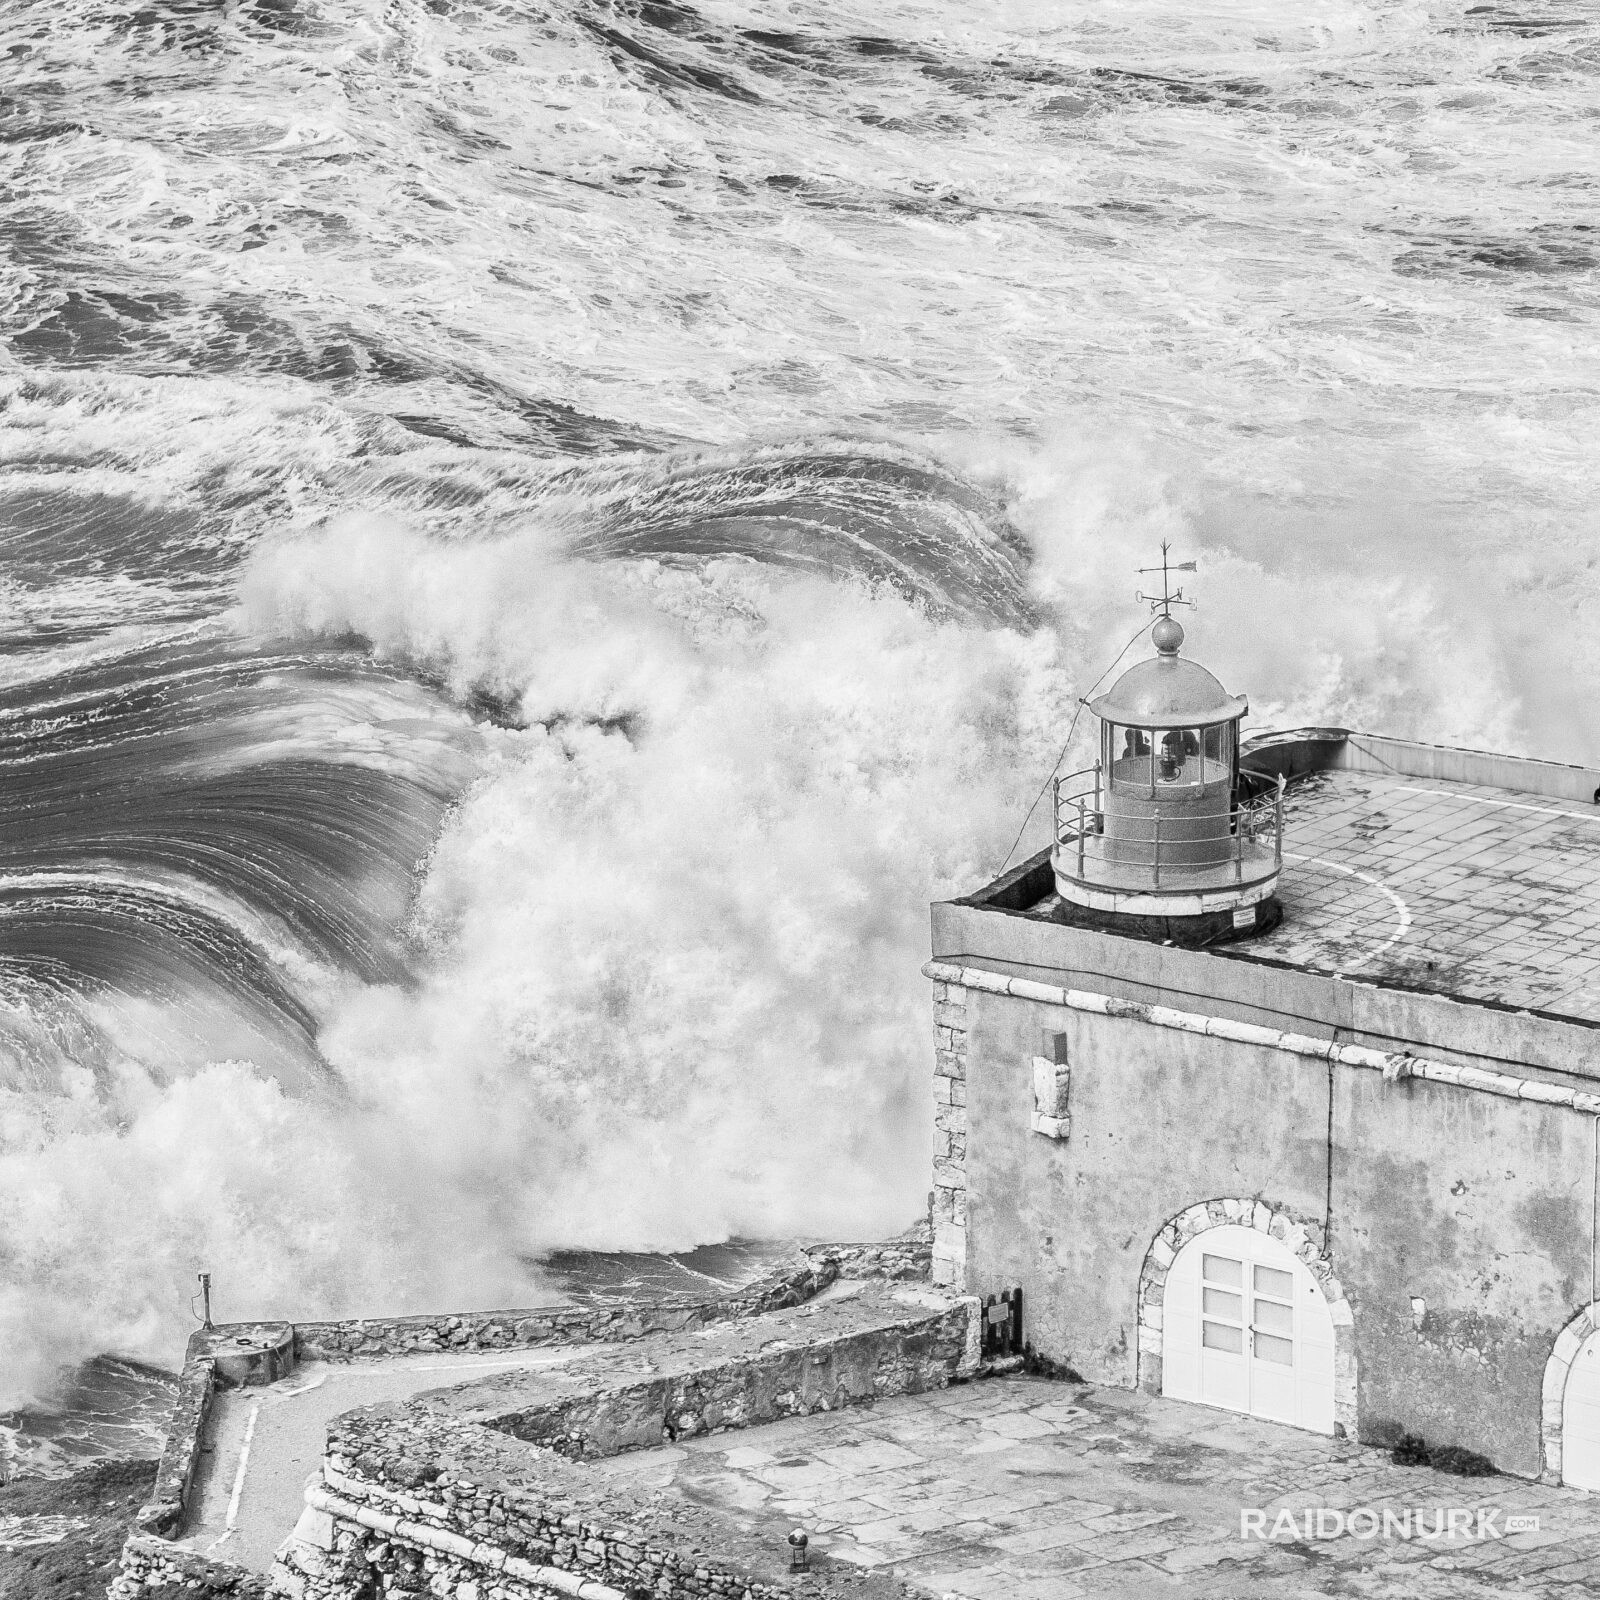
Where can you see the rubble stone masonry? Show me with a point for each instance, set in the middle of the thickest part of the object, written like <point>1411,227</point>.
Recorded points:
<point>950,1135</point>
<point>480,1492</point>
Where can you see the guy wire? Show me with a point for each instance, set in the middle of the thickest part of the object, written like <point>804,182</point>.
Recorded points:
<point>1083,700</point>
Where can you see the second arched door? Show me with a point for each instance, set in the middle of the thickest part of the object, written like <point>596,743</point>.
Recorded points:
<point>1245,1326</point>
<point>1580,1418</point>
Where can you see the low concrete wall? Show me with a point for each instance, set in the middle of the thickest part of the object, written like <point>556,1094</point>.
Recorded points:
<point>1297,751</point>
<point>234,1356</point>
<point>180,1452</point>
<point>1376,752</point>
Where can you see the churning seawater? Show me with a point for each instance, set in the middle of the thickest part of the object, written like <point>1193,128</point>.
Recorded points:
<point>538,536</point>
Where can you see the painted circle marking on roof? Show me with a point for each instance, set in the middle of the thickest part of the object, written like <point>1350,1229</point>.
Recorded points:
<point>1402,912</point>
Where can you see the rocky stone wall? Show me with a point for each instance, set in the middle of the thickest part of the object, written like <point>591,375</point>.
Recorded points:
<point>441,1496</point>
<point>825,1372</point>
<point>353,1340</point>
<point>156,1569</point>
<point>151,1565</point>
<point>471,1540</point>
<point>790,1285</point>
<point>908,1259</point>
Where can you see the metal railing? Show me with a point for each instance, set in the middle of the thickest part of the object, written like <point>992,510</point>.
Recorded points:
<point>1080,828</point>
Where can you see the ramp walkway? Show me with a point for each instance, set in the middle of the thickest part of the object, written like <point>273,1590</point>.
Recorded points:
<point>264,1444</point>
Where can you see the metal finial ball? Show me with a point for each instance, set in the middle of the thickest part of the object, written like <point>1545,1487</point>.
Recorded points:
<point>1166,636</point>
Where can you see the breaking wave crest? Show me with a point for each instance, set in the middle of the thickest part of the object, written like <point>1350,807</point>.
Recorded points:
<point>547,887</point>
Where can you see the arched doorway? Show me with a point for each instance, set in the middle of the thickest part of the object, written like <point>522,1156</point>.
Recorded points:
<point>1580,1418</point>
<point>1247,1315</point>
<point>1572,1404</point>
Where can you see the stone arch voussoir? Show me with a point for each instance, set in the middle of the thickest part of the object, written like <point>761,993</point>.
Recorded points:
<point>1562,1354</point>
<point>1305,1240</point>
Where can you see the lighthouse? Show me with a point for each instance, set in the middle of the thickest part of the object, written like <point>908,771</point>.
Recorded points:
<point>1160,836</point>
<point>1242,1165</point>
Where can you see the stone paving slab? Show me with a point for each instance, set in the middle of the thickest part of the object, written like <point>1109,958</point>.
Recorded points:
<point>1023,1489</point>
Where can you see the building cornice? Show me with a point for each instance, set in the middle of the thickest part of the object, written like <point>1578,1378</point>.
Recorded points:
<point>1393,1065</point>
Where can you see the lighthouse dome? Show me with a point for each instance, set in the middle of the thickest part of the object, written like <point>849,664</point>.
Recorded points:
<point>1168,692</point>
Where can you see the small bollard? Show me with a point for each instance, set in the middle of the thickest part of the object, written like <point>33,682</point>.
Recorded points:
<point>797,1551</point>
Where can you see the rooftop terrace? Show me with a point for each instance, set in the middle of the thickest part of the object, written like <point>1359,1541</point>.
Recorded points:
<point>1464,874</point>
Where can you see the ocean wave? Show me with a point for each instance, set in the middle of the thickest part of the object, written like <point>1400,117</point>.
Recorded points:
<point>536,539</point>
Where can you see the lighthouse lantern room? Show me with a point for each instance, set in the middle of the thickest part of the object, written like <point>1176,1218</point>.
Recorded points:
<point>1159,837</point>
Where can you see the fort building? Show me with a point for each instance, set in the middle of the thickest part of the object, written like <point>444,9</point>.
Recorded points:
<point>1275,1081</point>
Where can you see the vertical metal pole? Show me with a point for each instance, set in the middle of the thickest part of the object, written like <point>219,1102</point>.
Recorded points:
<point>1099,804</point>
<point>1055,813</point>
<point>1238,854</point>
<point>1080,836</point>
<point>1158,851</point>
<point>1277,822</point>
<point>205,1289</point>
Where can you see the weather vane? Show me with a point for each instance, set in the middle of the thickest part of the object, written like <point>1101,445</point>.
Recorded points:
<point>1168,598</point>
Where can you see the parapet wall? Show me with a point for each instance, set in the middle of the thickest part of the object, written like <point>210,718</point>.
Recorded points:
<point>439,1493</point>
<point>256,1353</point>
<point>605,1323</point>
<point>212,1360</point>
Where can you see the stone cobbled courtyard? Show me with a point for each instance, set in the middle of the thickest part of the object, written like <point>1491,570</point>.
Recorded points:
<point>1023,1489</point>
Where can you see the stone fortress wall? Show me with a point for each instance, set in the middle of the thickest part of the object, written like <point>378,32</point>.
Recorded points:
<point>442,1496</point>
<point>1437,1157</point>
<point>443,1488</point>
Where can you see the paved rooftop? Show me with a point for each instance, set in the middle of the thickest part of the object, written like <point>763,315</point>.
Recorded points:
<point>1490,894</point>
<point>1474,891</point>
<point>1021,1489</point>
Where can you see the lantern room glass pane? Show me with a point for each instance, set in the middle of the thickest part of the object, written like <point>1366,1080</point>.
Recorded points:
<point>1168,762</point>
<point>1129,751</point>
<point>1177,752</point>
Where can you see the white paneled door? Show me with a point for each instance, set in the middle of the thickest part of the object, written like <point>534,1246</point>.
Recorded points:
<point>1244,1325</point>
<point>1580,1418</point>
